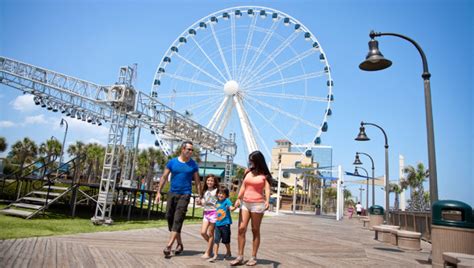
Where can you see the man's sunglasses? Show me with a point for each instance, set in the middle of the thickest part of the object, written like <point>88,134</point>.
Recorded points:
<point>190,149</point>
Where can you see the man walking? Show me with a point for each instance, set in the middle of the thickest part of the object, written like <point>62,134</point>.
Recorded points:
<point>358,209</point>
<point>183,170</point>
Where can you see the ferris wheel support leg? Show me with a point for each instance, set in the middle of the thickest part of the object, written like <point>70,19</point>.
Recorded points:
<point>245,124</point>
<point>218,114</point>
<point>225,118</point>
<point>105,199</point>
<point>229,165</point>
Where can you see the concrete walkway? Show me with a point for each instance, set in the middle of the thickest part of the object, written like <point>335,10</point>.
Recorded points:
<point>287,241</point>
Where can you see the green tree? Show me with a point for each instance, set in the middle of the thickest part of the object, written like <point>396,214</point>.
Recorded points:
<point>3,144</point>
<point>94,161</point>
<point>348,197</point>
<point>329,199</point>
<point>415,178</point>
<point>50,150</point>
<point>24,151</point>
<point>147,160</point>
<point>75,150</point>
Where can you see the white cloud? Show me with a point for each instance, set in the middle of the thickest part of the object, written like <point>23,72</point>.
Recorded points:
<point>35,119</point>
<point>92,140</point>
<point>24,103</point>
<point>6,124</point>
<point>142,146</point>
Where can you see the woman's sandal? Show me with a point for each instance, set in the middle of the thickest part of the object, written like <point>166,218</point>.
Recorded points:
<point>167,251</point>
<point>251,262</point>
<point>238,261</point>
<point>179,249</point>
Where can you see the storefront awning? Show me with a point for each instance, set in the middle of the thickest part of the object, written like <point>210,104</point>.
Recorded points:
<point>219,172</point>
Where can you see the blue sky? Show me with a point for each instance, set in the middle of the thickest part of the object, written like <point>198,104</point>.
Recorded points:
<point>92,39</point>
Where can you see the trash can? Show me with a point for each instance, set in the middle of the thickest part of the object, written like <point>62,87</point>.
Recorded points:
<point>375,216</point>
<point>452,229</point>
<point>318,209</point>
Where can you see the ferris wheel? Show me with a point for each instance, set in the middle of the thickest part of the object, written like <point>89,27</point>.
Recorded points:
<point>253,71</point>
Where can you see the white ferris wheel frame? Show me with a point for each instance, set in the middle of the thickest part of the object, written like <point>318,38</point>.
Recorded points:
<point>221,116</point>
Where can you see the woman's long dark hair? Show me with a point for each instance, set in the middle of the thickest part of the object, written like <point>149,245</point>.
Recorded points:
<point>259,166</point>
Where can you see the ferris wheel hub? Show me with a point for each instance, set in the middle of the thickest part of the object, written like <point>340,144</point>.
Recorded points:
<point>231,87</point>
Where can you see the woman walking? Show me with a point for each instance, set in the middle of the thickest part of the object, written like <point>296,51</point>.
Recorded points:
<point>255,196</point>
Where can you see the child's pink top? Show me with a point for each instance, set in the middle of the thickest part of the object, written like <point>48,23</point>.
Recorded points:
<point>254,188</point>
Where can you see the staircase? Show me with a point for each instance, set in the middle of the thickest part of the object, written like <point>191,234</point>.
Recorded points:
<point>35,201</point>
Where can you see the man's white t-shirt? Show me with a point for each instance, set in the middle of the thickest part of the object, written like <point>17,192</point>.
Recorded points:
<point>359,207</point>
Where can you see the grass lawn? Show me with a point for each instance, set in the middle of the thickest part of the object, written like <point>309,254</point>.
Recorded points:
<point>60,224</point>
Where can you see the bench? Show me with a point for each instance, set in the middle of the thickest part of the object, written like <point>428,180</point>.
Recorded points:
<point>409,240</point>
<point>383,232</point>
<point>394,237</point>
<point>365,222</point>
<point>453,259</point>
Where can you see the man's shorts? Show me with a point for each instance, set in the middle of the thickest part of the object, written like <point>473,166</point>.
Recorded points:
<point>176,209</point>
<point>222,233</point>
<point>210,216</point>
<point>254,207</point>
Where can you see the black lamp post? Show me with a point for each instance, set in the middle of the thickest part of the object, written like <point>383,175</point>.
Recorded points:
<point>358,162</point>
<point>356,172</point>
<point>374,62</point>
<point>363,137</point>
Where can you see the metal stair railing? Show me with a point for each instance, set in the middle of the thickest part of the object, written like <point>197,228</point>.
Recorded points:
<point>49,182</point>
<point>19,173</point>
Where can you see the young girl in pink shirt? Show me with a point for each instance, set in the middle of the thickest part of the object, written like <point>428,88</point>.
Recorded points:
<point>209,201</point>
<point>255,195</point>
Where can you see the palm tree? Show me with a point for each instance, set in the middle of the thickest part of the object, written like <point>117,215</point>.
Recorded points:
<point>415,178</point>
<point>330,195</point>
<point>24,151</point>
<point>76,150</point>
<point>94,161</point>
<point>156,157</point>
<point>397,189</point>
<point>3,144</point>
<point>147,160</point>
<point>50,149</point>
<point>348,197</point>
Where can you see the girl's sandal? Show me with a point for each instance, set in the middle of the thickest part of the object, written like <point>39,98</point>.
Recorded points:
<point>167,251</point>
<point>251,262</point>
<point>238,261</point>
<point>179,249</point>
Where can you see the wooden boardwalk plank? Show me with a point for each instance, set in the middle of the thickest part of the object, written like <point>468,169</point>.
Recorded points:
<point>50,253</point>
<point>37,260</point>
<point>287,241</point>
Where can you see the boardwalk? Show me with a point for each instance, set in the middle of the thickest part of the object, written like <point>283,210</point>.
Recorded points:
<point>287,241</point>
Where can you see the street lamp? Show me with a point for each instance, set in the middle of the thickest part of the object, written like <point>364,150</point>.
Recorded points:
<point>358,162</point>
<point>363,137</point>
<point>360,193</point>
<point>374,62</point>
<point>356,173</point>
<point>63,121</point>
